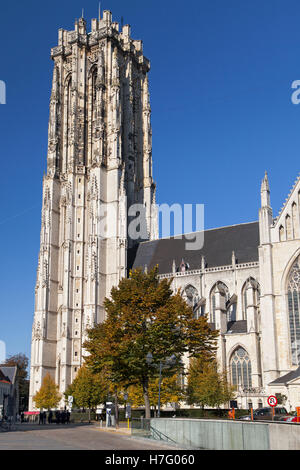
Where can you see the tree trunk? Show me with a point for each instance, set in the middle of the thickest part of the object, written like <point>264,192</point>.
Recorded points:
<point>146,397</point>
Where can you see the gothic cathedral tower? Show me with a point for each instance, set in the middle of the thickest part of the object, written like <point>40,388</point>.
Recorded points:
<point>99,164</point>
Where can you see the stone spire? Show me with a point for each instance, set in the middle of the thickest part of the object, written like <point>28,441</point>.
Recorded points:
<point>265,213</point>
<point>265,192</point>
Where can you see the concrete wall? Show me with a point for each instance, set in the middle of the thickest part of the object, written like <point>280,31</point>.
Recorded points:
<point>284,438</point>
<point>228,435</point>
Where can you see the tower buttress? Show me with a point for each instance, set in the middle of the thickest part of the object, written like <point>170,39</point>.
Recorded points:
<point>268,327</point>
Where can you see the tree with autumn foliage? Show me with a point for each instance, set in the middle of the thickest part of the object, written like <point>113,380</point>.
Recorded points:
<point>88,389</point>
<point>206,385</point>
<point>48,395</point>
<point>145,316</point>
<point>171,392</point>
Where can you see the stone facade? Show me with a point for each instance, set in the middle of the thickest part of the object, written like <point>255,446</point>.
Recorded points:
<point>246,278</point>
<point>250,292</point>
<point>99,164</point>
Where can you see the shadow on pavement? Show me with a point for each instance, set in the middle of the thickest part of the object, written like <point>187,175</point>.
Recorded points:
<point>24,427</point>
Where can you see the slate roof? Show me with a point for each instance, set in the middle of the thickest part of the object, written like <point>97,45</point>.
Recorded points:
<point>294,374</point>
<point>239,326</point>
<point>9,372</point>
<point>219,244</point>
<point>3,378</point>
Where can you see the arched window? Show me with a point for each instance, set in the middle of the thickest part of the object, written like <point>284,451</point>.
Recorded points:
<point>256,298</point>
<point>191,296</point>
<point>293,309</point>
<point>67,120</point>
<point>289,228</point>
<point>230,302</point>
<point>295,216</point>
<point>281,233</point>
<point>240,368</point>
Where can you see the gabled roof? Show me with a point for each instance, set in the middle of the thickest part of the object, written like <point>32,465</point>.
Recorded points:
<point>286,202</point>
<point>219,244</point>
<point>3,378</point>
<point>10,372</point>
<point>294,374</point>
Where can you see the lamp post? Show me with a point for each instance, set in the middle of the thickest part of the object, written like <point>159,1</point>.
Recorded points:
<point>163,364</point>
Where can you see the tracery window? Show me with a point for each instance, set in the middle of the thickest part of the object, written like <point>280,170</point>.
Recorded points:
<point>240,368</point>
<point>293,309</point>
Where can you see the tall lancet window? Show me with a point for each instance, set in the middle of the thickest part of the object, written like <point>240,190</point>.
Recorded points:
<point>293,309</point>
<point>230,305</point>
<point>240,367</point>
<point>67,120</point>
<point>92,112</point>
<point>192,298</point>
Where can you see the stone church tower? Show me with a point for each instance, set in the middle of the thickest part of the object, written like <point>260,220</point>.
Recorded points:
<point>99,164</point>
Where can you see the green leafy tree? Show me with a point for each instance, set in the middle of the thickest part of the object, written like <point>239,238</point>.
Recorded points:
<point>48,395</point>
<point>144,316</point>
<point>21,361</point>
<point>88,389</point>
<point>206,385</point>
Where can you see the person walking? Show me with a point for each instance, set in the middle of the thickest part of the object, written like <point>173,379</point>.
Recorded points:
<point>50,417</point>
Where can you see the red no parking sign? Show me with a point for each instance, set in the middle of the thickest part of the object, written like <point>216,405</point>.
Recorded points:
<point>272,401</point>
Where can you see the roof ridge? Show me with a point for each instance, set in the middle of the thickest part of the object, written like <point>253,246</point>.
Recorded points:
<point>199,231</point>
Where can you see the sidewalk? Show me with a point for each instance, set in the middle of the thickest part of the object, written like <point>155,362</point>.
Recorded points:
<point>123,428</point>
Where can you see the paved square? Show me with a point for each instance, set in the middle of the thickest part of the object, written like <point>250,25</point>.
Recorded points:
<point>72,437</point>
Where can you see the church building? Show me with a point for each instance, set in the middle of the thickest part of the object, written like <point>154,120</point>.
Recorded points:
<point>245,278</point>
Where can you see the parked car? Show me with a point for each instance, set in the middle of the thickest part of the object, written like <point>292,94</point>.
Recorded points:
<point>291,419</point>
<point>265,414</point>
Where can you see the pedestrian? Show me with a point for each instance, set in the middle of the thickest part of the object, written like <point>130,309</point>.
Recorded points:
<point>63,417</point>
<point>50,417</point>
<point>41,417</point>
<point>68,417</point>
<point>57,417</point>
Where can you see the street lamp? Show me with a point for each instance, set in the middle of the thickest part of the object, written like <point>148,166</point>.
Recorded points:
<point>163,364</point>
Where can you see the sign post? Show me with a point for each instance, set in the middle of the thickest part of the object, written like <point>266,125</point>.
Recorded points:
<point>70,402</point>
<point>298,413</point>
<point>272,401</point>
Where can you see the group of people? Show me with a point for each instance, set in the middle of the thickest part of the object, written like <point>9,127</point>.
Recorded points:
<point>59,416</point>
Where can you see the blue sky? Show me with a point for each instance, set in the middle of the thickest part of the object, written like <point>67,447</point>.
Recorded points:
<point>221,114</point>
